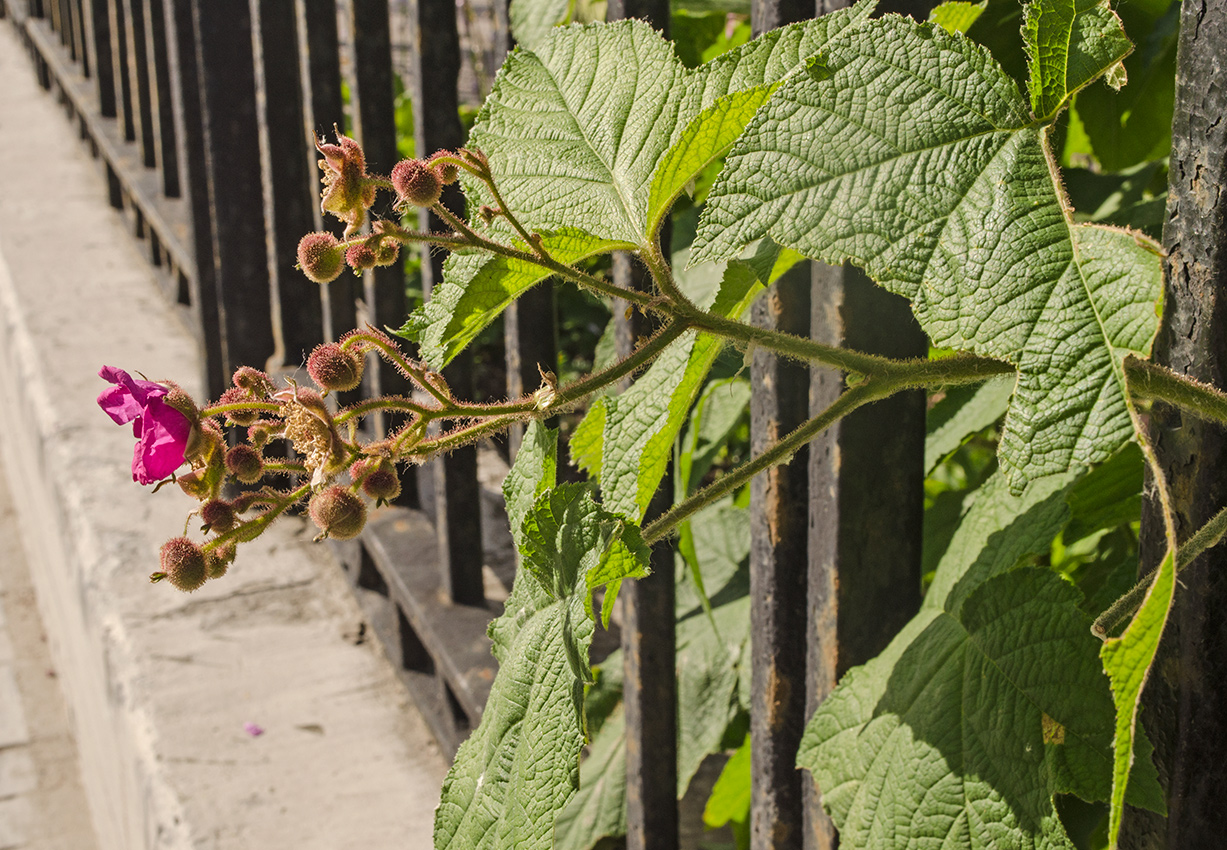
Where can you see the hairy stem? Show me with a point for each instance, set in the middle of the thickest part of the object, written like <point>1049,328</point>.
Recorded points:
<point>1153,382</point>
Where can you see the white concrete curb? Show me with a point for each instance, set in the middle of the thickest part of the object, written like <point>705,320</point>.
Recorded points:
<point>161,683</point>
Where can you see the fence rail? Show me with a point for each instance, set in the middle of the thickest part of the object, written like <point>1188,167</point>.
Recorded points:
<point>201,115</point>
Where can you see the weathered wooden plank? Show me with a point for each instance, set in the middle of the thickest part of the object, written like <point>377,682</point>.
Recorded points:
<point>1185,708</point>
<point>234,195</point>
<point>436,68</point>
<point>287,185</point>
<point>649,645</point>
<point>160,100</point>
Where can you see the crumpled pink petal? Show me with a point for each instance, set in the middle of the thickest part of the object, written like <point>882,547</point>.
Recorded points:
<point>161,431</point>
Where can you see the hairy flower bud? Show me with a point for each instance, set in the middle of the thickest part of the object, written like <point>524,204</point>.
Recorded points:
<point>259,384</point>
<point>334,368</point>
<point>218,560</point>
<point>238,395</point>
<point>203,442</point>
<point>194,483</point>
<point>260,433</point>
<point>183,563</point>
<point>416,183</point>
<point>377,477</point>
<point>448,171</point>
<point>217,515</point>
<point>320,257</point>
<point>245,463</point>
<point>386,252</point>
<point>338,512</point>
<point>361,257</point>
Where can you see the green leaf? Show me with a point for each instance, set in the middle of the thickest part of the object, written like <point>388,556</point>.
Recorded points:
<point>960,415</point>
<point>720,409</point>
<point>598,810</point>
<point>915,747</point>
<point>532,20</point>
<point>1134,125</point>
<point>935,180</point>
<point>477,287</point>
<point>707,138</point>
<point>1068,45</point>
<point>1127,660</point>
<point>730,796</point>
<point>957,15</point>
<point>1109,496</point>
<point>642,423</point>
<point>534,472</point>
<point>520,767</point>
<point>576,127</point>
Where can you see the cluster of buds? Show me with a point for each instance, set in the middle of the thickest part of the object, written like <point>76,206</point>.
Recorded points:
<point>349,193</point>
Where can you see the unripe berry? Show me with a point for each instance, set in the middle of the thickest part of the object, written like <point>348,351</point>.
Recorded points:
<point>245,463</point>
<point>377,477</point>
<point>416,183</point>
<point>320,257</point>
<point>387,252</point>
<point>217,515</point>
<point>361,257</point>
<point>183,563</point>
<point>335,368</point>
<point>338,512</point>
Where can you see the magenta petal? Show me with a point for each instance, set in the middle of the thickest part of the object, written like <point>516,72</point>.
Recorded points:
<point>119,404</point>
<point>163,438</point>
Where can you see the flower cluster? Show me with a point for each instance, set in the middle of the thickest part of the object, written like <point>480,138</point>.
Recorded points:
<point>232,475</point>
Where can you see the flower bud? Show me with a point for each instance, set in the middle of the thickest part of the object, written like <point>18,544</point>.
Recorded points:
<point>338,512</point>
<point>448,171</point>
<point>183,563</point>
<point>361,257</point>
<point>238,395</point>
<point>377,477</point>
<point>334,368</point>
<point>219,559</point>
<point>416,183</point>
<point>260,433</point>
<point>386,252</point>
<point>245,463</point>
<point>259,384</point>
<point>320,257</point>
<point>217,515</point>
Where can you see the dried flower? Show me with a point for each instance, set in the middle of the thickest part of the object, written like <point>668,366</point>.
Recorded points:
<point>161,431</point>
<point>348,191</point>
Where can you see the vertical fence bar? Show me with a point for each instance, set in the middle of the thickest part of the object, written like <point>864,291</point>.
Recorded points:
<point>234,211</point>
<point>1185,703</point>
<point>866,474</point>
<point>98,37</point>
<point>297,311</point>
<point>161,108</point>
<point>319,53</point>
<point>138,73</point>
<point>437,126</point>
<point>649,644</point>
<point>778,545</point>
<point>119,67</point>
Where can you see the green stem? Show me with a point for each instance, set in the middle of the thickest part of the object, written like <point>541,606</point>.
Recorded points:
<point>393,355</point>
<point>779,452</point>
<point>1206,537</point>
<point>242,406</point>
<point>1151,381</point>
<point>370,405</point>
<point>255,527</point>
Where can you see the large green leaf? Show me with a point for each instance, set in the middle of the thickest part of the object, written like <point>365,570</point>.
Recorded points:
<point>576,127</point>
<point>1127,660</point>
<point>532,20</point>
<point>521,766</point>
<point>598,809</point>
<point>986,705</point>
<point>477,287</point>
<point>934,179</point>
<point>1069,43</point>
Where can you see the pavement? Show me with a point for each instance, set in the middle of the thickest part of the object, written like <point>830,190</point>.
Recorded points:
<point>249,715</point>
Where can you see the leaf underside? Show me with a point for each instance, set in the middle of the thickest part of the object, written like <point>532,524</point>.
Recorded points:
<point>909,152</point>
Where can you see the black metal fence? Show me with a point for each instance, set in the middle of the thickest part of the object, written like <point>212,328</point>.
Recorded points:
<point>201,114</point>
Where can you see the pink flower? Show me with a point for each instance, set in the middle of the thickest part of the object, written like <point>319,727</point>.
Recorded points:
<point>161,431</point>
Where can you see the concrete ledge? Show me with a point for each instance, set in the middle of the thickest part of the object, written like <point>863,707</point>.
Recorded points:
<point>160,684</point>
